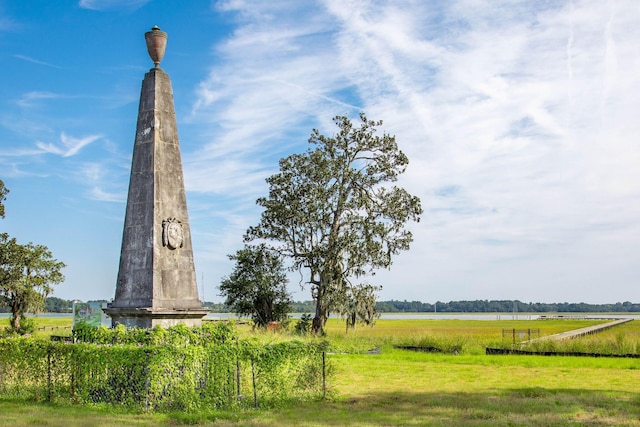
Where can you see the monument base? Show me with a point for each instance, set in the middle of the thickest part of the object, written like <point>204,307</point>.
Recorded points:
<point>152,317</point>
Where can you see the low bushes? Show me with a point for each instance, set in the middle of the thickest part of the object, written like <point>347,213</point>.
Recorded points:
<point>175,369</point>
<point>179,335</point>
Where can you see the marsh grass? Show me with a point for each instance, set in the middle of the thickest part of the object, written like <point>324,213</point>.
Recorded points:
<point>51,322</point>
<point>449,336</point>
<point>620,340</point>
<point>44,326</point>
<point>618,344</point>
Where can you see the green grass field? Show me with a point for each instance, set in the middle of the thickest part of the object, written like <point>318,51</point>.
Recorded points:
<point>400,387</point>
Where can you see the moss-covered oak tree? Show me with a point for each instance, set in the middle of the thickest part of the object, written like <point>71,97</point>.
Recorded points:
<point>333,212</point>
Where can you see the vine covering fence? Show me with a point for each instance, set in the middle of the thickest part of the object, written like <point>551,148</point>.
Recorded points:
<point>159,377</point>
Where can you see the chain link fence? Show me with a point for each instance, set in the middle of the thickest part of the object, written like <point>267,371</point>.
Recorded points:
<point>163,377</point>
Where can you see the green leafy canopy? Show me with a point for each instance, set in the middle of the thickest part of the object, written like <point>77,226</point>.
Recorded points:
<point>27,274</point>
<point>257,287</point>
<point>3,195</point>
<point>332,211</point>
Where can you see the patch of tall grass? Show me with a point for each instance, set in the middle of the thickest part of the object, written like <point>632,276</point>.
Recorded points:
<point>619,344</point>
<point>447,336</point>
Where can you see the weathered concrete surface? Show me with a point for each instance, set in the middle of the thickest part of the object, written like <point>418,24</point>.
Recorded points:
<point>156,282</point>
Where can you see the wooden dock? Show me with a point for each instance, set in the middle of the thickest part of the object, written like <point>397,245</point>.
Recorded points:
<point>580,332</point>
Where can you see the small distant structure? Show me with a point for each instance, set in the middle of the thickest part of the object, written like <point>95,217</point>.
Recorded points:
<point>89,313</point>
<point>156,282</point>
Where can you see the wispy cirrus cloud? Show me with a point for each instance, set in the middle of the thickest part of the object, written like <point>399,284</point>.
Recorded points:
<point>31,99</point>
<point>36,61</point>
<point>276,78</point>
<point>106,5</point>
<point>527,110</point>
<point>69,146</point>
<point>99,194</point>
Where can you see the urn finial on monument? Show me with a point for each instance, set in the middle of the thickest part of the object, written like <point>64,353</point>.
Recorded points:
<point>156,44</point>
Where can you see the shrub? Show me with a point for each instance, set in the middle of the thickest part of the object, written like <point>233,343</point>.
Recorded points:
<point>167,372</point>
<point>179,335</point>
<point>303,326</point>
<point>27,326</point>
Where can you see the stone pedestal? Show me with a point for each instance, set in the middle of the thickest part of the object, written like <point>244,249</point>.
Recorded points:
<point>156,280</point>
<point>149,317</point>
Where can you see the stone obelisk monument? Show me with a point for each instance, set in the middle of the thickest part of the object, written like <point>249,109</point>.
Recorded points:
<point>156,280</point>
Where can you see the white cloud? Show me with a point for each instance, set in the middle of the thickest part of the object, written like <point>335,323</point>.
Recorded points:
<point>70,146</point>
<point>30,99</point>
<point>97,193</point>
<point>528,110</point>
<point>275,80</point>
<point>35,61</point>
<point>105,5</point>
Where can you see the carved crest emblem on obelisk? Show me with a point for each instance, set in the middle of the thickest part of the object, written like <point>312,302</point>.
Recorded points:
<point>172,233</point>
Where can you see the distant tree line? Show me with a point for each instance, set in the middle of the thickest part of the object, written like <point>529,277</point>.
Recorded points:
<point>54,305</point>
<point>59,305</point>
<point>502,306</point>
<point>487,306</point>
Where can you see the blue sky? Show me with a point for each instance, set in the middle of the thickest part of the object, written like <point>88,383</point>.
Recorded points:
<point>520,120</point>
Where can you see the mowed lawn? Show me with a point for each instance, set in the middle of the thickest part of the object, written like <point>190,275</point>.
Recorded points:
<point>400,387</point>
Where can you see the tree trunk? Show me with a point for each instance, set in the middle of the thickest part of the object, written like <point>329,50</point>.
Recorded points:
<point>320,319</point>
<point>15,320</point>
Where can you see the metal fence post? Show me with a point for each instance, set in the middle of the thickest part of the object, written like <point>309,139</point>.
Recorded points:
<point>238,366</point>
<point>324,375</point>
<point>49,392</point>
<point>253,379</point>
